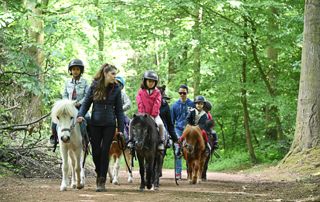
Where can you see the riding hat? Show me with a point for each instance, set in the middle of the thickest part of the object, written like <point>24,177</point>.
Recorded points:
<point>150,75</point>
<point>121,80</point>
<point>78,63</point>
<point>199,98</point>
<point>207,106</point>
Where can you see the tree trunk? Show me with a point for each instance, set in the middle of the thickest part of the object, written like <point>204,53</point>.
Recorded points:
<point>273,110</point>
<point>272,113</point>
<point>171,66</point>
<point>101,28</point>
<point>197,51</point>
<point>244,102</point>
<point>307,133</point>
<point>36,34</point>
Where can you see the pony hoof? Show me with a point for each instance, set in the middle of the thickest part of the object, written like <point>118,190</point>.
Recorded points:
<point>156,188</point>
<point>63,188</point>
<point>73,186</point>
<point>130,180</point>
<point>141,189</point>
<point>115,183</point>
<point>81,186</point>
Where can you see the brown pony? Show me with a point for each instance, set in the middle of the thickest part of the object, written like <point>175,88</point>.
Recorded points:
<point>194,152</point>
<point>116,150</point>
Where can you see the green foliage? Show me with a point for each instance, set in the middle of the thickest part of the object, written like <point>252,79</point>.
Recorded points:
<point>231,161</point>
<point>141,35</point>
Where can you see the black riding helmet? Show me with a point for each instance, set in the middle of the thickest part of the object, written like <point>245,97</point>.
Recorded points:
<point>151,75</point>
<point>207,106</point>
<point>199,98</point>
<point>76,62</point>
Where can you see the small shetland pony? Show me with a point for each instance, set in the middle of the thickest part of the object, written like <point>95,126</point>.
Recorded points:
<point>64,114</point>
<point>194,152</point>
<point>146,138</point>
<point>116,150</point>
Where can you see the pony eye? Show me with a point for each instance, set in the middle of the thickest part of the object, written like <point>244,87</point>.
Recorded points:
<point>58,117</point>
<point>71,118</point>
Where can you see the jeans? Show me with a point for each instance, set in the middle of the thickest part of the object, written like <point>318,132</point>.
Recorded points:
<point>178,159</point>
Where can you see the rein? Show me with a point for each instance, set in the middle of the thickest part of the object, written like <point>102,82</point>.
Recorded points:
<point>121,146</point>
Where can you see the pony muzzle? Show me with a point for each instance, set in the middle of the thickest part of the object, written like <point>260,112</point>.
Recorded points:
<point>65,138</point>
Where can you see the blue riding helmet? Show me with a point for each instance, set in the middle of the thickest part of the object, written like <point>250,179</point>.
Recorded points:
<point>121,80</point>
<point>199,98</point>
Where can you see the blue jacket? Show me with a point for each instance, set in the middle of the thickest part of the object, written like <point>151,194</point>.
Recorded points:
<point>179,112</point>
<point>107,112</point>
<point>80,86</point>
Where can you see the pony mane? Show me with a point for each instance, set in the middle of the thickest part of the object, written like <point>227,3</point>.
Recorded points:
<point>142,118</point>
<point>63,108</point>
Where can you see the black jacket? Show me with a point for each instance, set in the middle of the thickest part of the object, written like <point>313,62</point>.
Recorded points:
<point>167,121</point>
<point>107,112</point>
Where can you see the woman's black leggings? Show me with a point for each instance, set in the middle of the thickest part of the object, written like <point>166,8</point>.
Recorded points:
<point>101,139</point>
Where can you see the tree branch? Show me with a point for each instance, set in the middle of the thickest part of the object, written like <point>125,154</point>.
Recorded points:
<point>23,126</point>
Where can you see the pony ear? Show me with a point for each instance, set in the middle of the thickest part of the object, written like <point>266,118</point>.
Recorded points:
<point>134,115</point>
<point>145,115</point>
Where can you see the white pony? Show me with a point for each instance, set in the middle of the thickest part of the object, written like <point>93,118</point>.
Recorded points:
<point>64,114</point>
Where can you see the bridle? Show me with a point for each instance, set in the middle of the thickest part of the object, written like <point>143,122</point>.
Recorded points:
<point>70,128</point>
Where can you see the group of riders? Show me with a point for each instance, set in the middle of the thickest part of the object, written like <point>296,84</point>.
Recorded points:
<point>151,99</point>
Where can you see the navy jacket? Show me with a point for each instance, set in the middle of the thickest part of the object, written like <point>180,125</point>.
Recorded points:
<point>202,121</point>
<point>167,121</point>
<point>106,112</point>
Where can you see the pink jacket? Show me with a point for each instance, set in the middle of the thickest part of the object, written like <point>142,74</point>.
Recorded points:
<point>149,104</point>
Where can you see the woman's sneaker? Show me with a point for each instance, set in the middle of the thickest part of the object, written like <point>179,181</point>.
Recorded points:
<point>178,176</point>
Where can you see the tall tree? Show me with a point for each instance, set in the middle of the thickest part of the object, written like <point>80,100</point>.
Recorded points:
<point>307,133</point>
<point>35,50</point>
<point>197,49</point>
<point>244,100</point>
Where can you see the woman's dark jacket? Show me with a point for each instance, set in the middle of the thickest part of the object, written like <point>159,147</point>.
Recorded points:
<point>106,112</point>
<point>167,121</point>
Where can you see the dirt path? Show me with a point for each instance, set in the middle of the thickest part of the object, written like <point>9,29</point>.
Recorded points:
<point>219,187</point>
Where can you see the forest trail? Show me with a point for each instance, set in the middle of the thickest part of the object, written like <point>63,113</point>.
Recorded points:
<point>218,187</point>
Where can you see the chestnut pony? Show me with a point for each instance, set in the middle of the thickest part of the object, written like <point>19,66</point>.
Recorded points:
<point>194,152</point>
<point>117,148</point>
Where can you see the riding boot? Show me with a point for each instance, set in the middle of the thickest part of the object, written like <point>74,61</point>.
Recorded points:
<point>101,184</point>
<point>161,144</point>
<point>208,147</point>
<point>54,136</point>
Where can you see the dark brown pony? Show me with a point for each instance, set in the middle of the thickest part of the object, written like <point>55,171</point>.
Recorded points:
<point>194,152</point>
<point>115,152</point>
